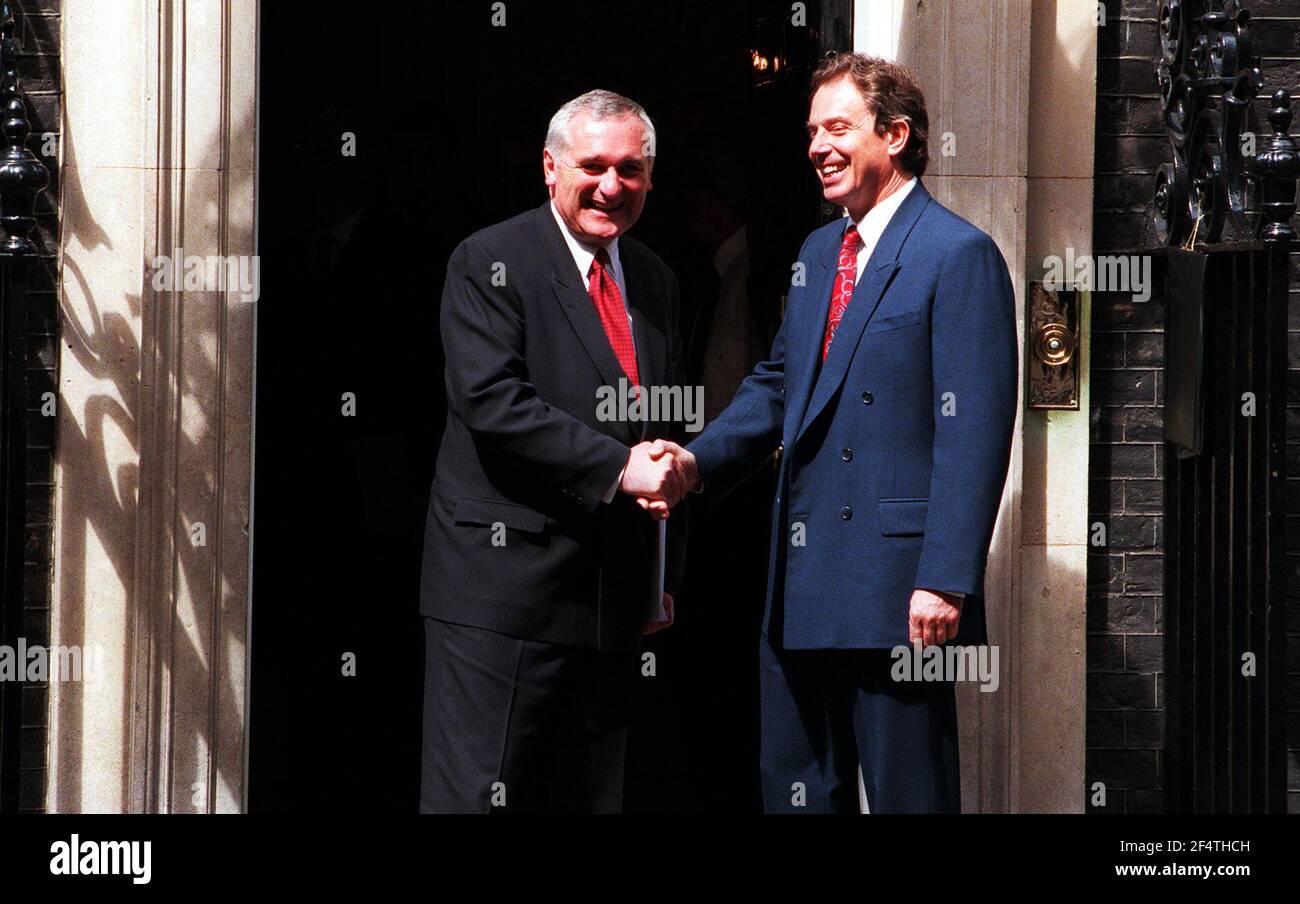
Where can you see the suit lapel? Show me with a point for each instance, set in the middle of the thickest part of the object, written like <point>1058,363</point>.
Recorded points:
<point>571,289</point>
<point>645,302</point>
<point>807,347</point>
<point>867,294</point>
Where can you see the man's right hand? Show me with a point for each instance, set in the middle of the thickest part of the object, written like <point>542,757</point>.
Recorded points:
<point>655,475</point>
<point>685,464</point>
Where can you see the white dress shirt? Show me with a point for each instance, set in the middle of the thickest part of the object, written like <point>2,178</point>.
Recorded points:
<point>583,254</point>
<point>873,223</point>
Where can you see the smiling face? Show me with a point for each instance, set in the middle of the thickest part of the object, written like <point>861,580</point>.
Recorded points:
<point>854,164</point>
<point>599,182</point>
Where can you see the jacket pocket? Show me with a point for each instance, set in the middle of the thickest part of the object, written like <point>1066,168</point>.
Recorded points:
<point>881,324</point>
<point>486,512</point>
<point>903,517</point>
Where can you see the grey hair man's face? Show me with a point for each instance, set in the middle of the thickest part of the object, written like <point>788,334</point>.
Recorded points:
<point>600,179</point>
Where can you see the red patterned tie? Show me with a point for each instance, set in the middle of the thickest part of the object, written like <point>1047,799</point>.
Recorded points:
<point>613,314</point>
<point>845,274</point>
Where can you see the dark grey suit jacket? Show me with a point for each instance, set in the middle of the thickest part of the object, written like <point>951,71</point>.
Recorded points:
<point>524,448</point>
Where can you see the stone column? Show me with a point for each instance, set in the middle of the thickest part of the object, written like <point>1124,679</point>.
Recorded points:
<point>1049,715</point>
<point>1011,134</point>
<point>153,480</point>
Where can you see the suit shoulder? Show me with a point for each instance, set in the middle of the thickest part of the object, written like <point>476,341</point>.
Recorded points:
<point>828,233</point>
<point>516,232</point>
<point>823,237</point>
<point>954,231</point>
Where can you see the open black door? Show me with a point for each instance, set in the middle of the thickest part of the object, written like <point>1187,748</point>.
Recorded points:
<point>447,125</point>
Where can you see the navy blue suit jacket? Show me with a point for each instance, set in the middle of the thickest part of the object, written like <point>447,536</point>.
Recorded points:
<point>896,448</point>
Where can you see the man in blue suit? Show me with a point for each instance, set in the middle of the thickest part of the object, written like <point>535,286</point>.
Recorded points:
<point>892,390</point>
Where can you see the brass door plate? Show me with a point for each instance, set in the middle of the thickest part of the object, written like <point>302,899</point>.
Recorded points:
<point>1052,347</point>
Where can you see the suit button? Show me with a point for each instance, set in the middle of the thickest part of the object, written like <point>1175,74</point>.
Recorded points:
<point>847,455</point>
<point>867,398</point>
<point>846,513</point>
<point>782,389</point>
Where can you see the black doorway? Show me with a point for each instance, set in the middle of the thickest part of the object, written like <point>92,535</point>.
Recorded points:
<point>448,112</point>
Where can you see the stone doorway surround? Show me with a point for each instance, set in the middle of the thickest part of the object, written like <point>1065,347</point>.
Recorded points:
<point>156,389</point>
<point>153,479</point>
<point>1013,83</point>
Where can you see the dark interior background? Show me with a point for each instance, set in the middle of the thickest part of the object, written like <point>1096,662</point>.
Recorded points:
<point>449,114</point>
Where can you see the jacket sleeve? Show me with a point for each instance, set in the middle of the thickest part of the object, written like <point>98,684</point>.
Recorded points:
<point>488,380</point>
<point>975,371</point>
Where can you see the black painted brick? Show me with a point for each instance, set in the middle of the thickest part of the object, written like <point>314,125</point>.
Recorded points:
<point>1126,417</point>
<point>38,34</point>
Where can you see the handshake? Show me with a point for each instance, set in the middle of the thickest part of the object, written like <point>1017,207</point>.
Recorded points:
<point>659,474</point>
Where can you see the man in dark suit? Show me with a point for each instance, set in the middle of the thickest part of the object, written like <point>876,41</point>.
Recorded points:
<point>540,570</point>
<point>892,390</point>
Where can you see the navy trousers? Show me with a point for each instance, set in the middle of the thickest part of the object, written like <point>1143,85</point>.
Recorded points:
<point>825,712</point>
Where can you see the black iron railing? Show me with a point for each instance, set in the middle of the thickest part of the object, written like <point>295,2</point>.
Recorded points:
<point>22,178</point>
<point>1223,207</point>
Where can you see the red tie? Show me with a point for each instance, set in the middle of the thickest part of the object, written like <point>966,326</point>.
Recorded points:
<point>613,314</point>
<point>845,275</point>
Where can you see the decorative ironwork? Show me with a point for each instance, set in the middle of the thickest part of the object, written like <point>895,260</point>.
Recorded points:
<point>1223,209</point>
<point>1225,470</point>
<point>1209,80</point>
<point>22,175</point>
<point>1278,167</point>
<point>22,178</point>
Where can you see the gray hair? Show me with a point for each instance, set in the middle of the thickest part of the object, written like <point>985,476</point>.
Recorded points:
<point>597,104</point>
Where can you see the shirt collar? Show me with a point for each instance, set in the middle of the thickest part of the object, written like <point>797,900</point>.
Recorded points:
<point>875,220</point>
<point>585,252</point>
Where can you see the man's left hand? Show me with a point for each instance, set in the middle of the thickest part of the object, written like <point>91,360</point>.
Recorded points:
<point>653,626</point>
<point>932,618</point>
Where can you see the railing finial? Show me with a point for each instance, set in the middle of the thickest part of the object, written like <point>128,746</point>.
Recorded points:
<point>1278,169</point>
<point>22,175</point>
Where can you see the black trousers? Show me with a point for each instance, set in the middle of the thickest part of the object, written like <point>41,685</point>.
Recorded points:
<point>825,712</point>
<point>514,725</point>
